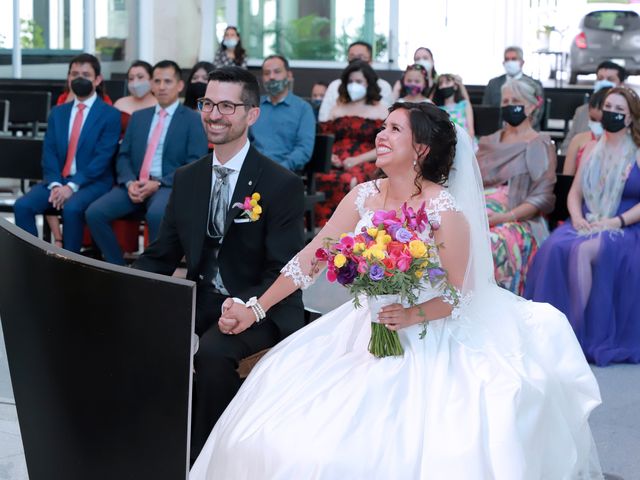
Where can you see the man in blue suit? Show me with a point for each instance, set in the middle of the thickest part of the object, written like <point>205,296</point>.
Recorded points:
<point>79,147</point>
<point>158,140</point>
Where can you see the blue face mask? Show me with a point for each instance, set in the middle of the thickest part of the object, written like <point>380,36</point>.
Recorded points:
<point>316,102</point>
<point>600,84</point>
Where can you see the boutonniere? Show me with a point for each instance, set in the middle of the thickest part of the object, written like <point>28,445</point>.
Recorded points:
<point>250,207</point>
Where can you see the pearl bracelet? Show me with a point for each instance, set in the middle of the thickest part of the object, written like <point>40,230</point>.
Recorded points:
<point>257,309</point>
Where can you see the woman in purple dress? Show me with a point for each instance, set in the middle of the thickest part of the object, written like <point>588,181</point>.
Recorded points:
<point>589,267</point>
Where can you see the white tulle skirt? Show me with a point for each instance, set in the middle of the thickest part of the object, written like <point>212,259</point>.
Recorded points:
<point>320,406</point>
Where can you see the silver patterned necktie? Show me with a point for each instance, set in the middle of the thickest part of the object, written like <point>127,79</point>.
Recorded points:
<point>219,201</point>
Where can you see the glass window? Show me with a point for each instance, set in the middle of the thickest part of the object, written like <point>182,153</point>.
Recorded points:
<point>112,29</point>
<point>312,29</point>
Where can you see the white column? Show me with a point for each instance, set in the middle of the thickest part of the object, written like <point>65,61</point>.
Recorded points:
<point>394,25</point>
<point>89,26</point>
<point>145,16</point>
<point>16,52</point>
<point>232,13</point>
<point>208,31</point>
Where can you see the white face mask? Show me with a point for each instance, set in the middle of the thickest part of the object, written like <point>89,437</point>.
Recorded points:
<point>230,42</point>
<point>357,91</point>
<point>596,128</point>
<point>512,67</point>
<point>600,84</point>
<point>139,89</point>
<point>425,63</point>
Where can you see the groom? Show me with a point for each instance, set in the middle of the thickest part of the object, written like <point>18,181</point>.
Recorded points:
<point>228,253</point>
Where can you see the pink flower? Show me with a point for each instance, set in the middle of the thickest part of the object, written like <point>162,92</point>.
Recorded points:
<point>321,254</point>
<point>332,275</point>
<point>362,267</point>
<point>347,242</point>
<point>403,262</point>
<point>385,217</point>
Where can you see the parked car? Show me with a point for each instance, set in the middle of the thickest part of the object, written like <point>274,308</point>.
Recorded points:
<point>606,35</point>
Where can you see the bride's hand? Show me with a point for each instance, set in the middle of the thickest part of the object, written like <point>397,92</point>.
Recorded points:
<point>236,319</point>
<point>395,316</point>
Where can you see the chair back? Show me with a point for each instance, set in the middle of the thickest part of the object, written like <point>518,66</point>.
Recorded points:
<point>21,158</point>
<point>100,359</point>
<point>486,119</point>
<point>320,161</point>
<point>4,116</point>
<point>27,107</point>
<point>561,191</point>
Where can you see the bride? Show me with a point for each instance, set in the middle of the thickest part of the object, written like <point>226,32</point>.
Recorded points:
<point>497,389</point>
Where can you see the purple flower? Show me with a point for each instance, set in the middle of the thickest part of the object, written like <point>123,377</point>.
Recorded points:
<point>403,235</point>
<point>347,273</point>
<point>435,274</point>
<point>376,272</point>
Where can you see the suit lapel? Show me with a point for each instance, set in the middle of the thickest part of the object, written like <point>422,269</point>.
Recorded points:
<point>175,124</point>
<point>245,186</point>
<point>63,132</point>
<point>94,114</point>
<point>200,206</point>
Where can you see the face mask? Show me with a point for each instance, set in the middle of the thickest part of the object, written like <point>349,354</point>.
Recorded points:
<point>446,92</point>
<point>412,90</point>
<point>426,64</point>
<point>82,87</point>
<point>139,89</point>
<point>276,87</point>
<point>196,90</point>
<point>600,84</point>
<point>513,114</point>
<point>316,102</point>
<point>613,121</point>
<point>230,42</point>
<point>512,67</point>
<point>356,91</point>
<point>596,128</point>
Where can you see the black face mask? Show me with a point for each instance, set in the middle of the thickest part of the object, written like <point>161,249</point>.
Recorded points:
<point>513,114</point>
<point>196,90</point>
<point>446,92</point>
<point>612,121</point>
<point>81,87</point>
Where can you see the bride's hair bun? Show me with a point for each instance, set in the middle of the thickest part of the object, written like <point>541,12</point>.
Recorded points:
<point>431,126</point>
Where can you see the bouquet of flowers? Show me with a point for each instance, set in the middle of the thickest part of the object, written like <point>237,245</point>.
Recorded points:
<point>386,259</point>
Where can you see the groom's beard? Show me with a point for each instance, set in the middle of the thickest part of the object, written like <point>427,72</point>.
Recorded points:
<point>228,134</point>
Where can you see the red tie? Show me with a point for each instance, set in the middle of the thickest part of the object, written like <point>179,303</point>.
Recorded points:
<point>152,147</point>
<point>73,141</point>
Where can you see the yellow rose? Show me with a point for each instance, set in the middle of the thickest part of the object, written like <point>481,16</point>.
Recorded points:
<point>419,273</point>
<point>417,248</point>
<point>256,197</point>
<point>254,216</point>
<point>339,260</point>
<point>257,209</point>
<point>383,239</point>
<point>373,232</point>
<point>253,203</point>
<point>359,248</point>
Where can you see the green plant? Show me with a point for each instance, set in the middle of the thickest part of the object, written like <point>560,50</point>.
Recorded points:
<point>306,38</point>
<point>31,34</point>
<point>380,43</point>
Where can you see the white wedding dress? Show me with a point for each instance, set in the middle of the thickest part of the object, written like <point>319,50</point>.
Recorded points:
<point>498,390</point>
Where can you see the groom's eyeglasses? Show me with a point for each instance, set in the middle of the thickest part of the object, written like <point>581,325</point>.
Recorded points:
<point>225,108</point>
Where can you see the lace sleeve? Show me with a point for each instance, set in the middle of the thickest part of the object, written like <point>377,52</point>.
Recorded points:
<point>303,268</point>
<point>444,202</point>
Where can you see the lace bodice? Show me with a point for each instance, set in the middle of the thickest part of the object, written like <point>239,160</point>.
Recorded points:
<point>354,213</point>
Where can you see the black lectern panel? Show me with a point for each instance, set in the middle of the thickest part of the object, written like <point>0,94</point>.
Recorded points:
<point>100,362</point>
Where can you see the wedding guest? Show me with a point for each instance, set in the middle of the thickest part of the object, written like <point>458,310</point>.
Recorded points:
<point>357,51</point>
<point>196,84</point>
<point>354,121</point>
<point>68,95</point>
<point>497,387</point>
<point>139,85</point>
<point>513,62</point>
<point>228,253</point>
<point>286,128</point>
<point>318,90</point>
<point>158,140</point>
<point>582,139</point>
<point>79,146</point>
<point>518,168</point>
<point>422,56</point>
<point>452,96</point>
<point>415,85</point>
<point>588,268</point>
<point>608,75</point>
<point>231,52</point>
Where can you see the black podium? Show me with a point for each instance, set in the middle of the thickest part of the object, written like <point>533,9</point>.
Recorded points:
<point>100,362</point>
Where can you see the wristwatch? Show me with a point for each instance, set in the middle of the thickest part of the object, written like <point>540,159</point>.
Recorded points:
<point>258,311</point>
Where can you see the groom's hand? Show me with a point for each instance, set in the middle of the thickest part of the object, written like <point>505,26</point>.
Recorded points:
<point>236,318</point>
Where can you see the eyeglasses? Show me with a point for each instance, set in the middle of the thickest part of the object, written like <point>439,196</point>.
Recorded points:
<point>225,108</point>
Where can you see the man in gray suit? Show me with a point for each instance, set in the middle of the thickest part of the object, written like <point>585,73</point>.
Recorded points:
<point>513,62</point>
